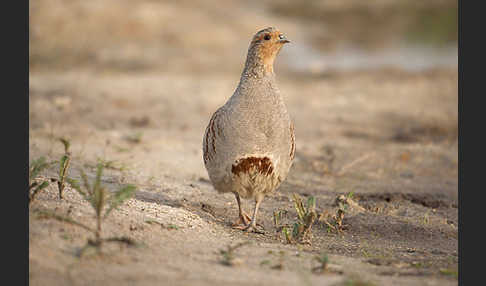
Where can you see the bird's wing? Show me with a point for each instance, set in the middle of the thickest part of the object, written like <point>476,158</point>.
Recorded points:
<point>212,131</point>
<point>292,141</point>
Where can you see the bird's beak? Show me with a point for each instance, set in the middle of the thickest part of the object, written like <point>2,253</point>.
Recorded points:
<point>283,39</point>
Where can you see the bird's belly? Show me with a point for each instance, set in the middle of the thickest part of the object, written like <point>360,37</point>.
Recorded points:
<point>249,184</point>
<point>248,175</point>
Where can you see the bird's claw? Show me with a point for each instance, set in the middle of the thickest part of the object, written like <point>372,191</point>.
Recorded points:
<point>243,221</point>
<point>254,229</point>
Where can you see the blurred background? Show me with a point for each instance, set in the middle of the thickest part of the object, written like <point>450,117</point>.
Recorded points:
<point>213,36</point>
<point>358,77</point>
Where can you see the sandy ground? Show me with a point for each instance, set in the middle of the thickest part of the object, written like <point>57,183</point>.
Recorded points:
<point>388,136</point>
<point>392,144</point>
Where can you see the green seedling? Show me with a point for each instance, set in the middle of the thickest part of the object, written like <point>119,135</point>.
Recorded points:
<point>449,272</point>
<point>287,234</point>
<point>36,166</point>
<point>334,222</point>
<point>306,217</point>
<point>299,231</point>
<point>323,263</point>
<point>228,255</point>
<point>357,282</point>
<point>278,216</point>
<point>265,262</point>
<point>135,137</point>
<point>350,195</point>
<point>63,167</point>
<point>426,218</point>
<point>169,226</point>
<point>111,164</point>
<point>101,201</point>
<point>281,259</point>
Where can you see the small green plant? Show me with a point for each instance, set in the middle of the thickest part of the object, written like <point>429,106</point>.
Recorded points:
<point>265,262</point>
<point>334,222</point>
<point>426,218</point>
<point>63,167</point>
<point>135,137</point>
<point>449,272</point>
<point>281,256</point>
<point>228,254</point>
<point>323,263</point>
<point>280,263</point>
<point>299,231</point>
<point>36,166</point>
<point>99,198</point>
<point>101,201</point>
<point>287,234</point>
<point>278,216</point>
<point>112,164</point>
<point>356,282</point>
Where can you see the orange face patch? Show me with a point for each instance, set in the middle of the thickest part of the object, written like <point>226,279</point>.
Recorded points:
<point>269,45</point>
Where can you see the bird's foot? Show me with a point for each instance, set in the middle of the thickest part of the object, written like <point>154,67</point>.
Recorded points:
<point>254,229</point>
<point>243,221</point>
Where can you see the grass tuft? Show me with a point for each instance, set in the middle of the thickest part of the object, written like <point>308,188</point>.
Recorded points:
<point>63,166</point>
<point>301,230</point>
<point>334,222</point>
<point>35,168</point>
<point>102,202</point>
<point>228,254</point>
<point>449,272</point>
<point>323,263</point>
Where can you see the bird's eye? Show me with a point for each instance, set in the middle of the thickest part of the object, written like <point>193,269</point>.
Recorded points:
<point>281,37</point>
<point>267,37</point>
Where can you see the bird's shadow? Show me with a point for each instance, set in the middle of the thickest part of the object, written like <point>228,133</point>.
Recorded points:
<point>210,213</point>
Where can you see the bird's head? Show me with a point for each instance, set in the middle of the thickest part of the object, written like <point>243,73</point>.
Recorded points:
<point>264,47</point>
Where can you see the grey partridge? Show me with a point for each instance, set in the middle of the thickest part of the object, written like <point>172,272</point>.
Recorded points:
<point>249,143</point>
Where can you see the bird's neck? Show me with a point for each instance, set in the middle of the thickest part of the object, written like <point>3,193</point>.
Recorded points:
<point>258,65</point>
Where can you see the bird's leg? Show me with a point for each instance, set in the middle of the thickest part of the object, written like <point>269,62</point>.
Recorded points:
<point>243,217</point>
<point>252,226</point>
